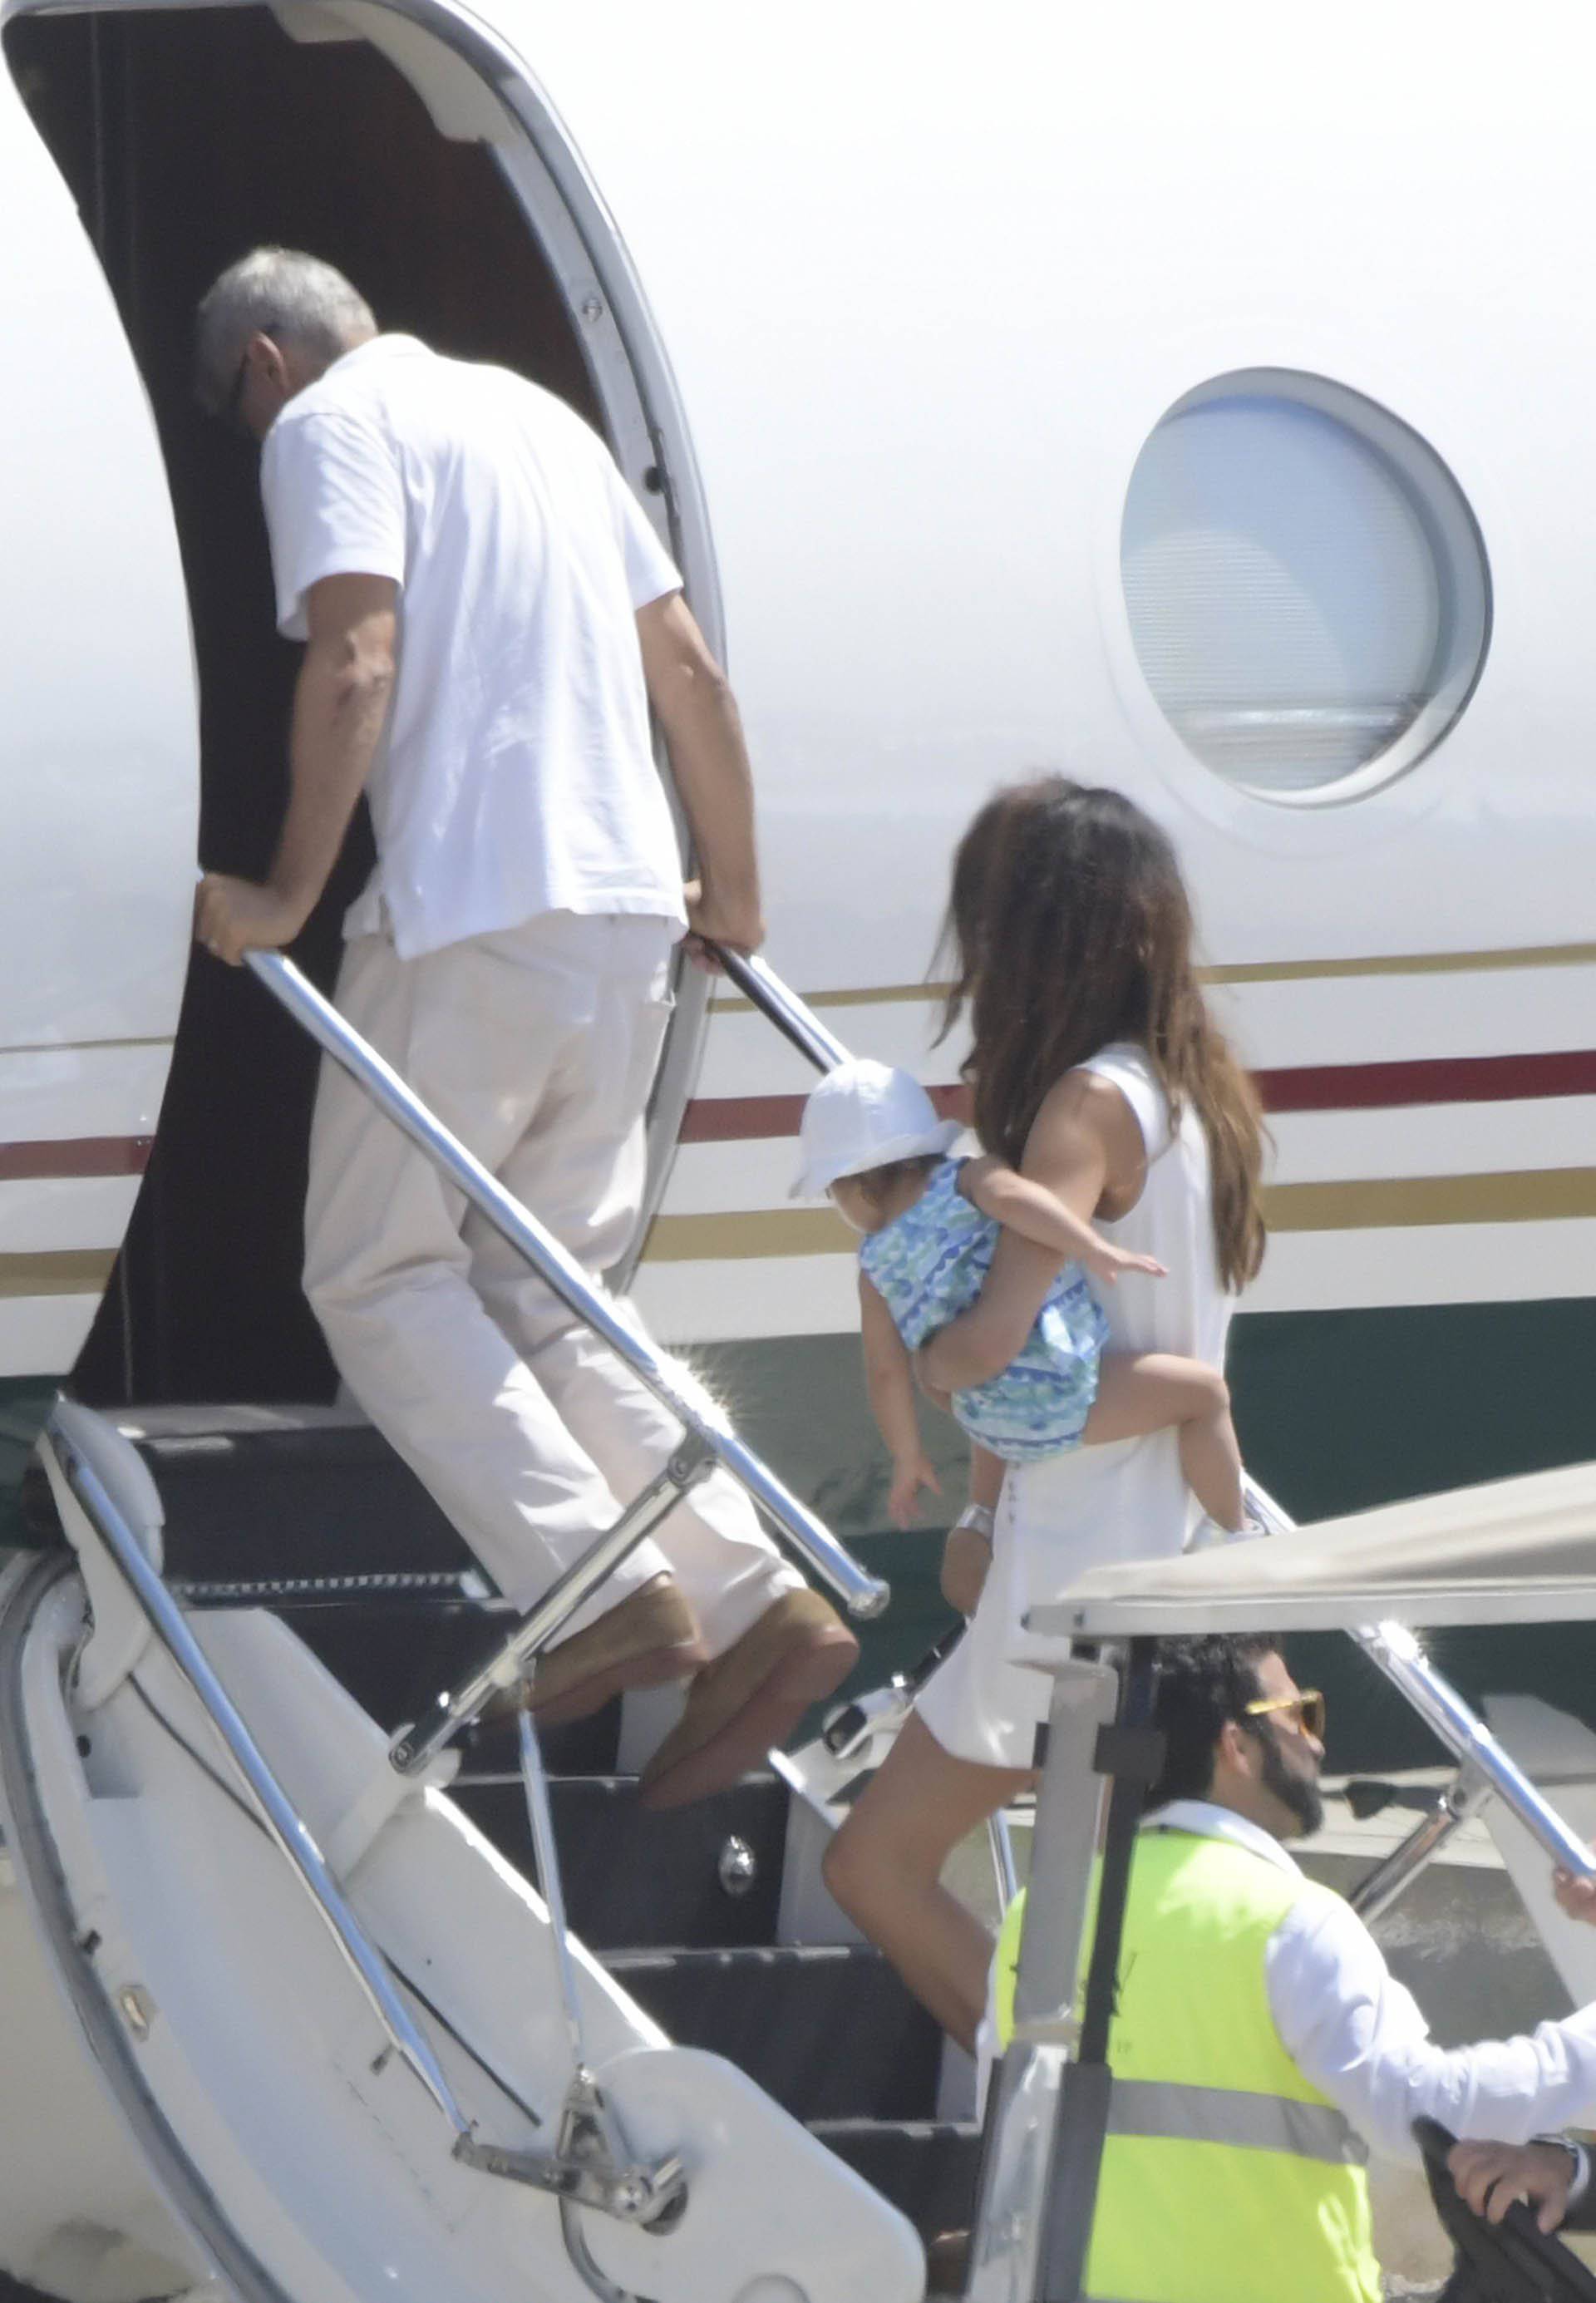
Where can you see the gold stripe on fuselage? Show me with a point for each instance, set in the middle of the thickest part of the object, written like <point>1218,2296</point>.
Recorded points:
<point>56,1271</point>
<point>82,1047</point>
<point>1373,1203</point>
<point>1402,1203</point>
<point>1262,971</point>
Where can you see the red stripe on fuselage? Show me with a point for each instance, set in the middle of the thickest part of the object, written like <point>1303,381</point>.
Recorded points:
<point>1318,1087</point>
<point>1439,1079</point>
<point>754,1119</point>
<point>74,1156</point>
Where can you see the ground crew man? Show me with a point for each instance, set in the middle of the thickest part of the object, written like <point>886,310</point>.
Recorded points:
<point>1260,2046</point>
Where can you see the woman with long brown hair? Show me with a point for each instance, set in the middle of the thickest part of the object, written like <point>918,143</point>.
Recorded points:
<point>1099,1072</point>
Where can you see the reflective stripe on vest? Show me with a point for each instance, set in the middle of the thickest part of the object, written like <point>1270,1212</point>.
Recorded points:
<point>1254,2122</point>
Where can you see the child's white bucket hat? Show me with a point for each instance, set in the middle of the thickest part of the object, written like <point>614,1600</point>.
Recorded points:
<point>863,1115</point>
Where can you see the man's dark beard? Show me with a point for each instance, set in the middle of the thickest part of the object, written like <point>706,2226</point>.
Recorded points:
<point>1301,1793</point>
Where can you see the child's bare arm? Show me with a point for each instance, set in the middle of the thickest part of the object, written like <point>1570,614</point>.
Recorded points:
<point>1037,1214</point>
<point>888,1377</point>
<point>889,1383</point>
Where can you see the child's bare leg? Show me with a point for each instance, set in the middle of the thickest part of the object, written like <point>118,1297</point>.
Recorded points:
<point>1140,1392</point>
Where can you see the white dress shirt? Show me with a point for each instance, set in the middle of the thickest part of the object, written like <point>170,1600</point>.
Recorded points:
<point>1357,2034</point>
<point>516,776</point>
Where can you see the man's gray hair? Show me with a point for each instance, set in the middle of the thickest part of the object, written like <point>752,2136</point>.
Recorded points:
<point>278,292</point>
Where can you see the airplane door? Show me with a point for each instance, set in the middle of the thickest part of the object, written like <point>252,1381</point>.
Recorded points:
<point>99,784</point>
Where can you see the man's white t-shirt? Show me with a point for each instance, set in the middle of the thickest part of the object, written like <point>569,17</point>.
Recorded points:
<point>516,776</point>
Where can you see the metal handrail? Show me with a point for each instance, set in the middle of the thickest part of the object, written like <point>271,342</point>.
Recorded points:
<point>673,1384</point>
<point>1379,1888</point>
<point>1393,1648</point>
<point>281,1818</point>
<point>455,1705</point>
<point>796,1022</point>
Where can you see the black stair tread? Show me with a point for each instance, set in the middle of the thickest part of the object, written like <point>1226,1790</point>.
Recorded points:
<point>928,2168</point>
<point>272,1492</point>
<point>395,1661</point>
<point>635,1880</point>
<point>285,1494</point>
<point>913,2130</point>
<point>746,1957</point>
<point>503,1769</point>
<point>828,2030</point>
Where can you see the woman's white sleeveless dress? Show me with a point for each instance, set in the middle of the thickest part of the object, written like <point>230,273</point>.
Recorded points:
<point>1093,1504</point>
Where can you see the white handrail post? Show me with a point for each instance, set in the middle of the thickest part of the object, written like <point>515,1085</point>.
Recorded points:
<point>1394,1650</point>
<point>281,1818</point>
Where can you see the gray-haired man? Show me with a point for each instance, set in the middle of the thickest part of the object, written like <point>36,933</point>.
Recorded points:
<point>487,617</point>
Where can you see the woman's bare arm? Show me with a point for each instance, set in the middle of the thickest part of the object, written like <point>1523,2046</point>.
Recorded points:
<point>1077,1142</point>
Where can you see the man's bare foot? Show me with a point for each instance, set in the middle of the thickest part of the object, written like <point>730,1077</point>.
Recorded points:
<point>750,1699</point>
<point>645,1640</point>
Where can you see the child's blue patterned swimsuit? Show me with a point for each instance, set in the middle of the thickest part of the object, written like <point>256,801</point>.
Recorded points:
<point>928,1266</point>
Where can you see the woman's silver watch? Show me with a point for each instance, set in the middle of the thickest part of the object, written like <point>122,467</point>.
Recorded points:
<point>978,1516</point>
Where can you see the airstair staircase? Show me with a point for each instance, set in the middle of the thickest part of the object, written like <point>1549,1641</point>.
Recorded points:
<point>716,1926</point>
<point>713,1918</point>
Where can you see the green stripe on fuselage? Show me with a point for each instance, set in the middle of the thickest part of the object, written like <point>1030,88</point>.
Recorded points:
<point>25,1401</point>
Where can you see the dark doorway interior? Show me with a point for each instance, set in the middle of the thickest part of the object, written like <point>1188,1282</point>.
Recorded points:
<point>188,137</point>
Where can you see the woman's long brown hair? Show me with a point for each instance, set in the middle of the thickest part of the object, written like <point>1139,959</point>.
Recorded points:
<point>1070,927</point>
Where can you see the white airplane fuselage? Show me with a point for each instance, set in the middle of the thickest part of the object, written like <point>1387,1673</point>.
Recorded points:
<point>1190,400</point>
<point>880,308</point>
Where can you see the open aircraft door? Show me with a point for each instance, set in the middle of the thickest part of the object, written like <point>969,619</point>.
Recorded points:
<point>99,784</point>
<point>412,145</point>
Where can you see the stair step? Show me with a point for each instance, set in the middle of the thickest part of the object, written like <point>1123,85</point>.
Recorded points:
<point>394,1662</point>
<point>282,1497</point>
<point>291,1497</point>
<point>635,1881</point>
<point>271,1492</point>
<point>828,2030</point>
<point>928,2168</point>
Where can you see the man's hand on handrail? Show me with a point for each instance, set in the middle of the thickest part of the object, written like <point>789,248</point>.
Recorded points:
<point>234,916</point>
<point>714,919</point>
<point>342,697</point>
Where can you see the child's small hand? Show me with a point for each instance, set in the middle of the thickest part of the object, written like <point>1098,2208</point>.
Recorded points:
<point>1105,1262</point>
<point>1577,1897</point>
<point>910,1474</point>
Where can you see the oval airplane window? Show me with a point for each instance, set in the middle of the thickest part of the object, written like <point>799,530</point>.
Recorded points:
<point>1308,592</point>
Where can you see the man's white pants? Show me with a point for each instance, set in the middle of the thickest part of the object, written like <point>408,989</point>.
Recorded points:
<point>537,1047</point>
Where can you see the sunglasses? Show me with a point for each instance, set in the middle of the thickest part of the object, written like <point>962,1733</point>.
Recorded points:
<point>1309,1705</point>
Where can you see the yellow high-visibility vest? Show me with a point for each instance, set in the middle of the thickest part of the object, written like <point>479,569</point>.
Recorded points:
<point>1226,2177</point>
